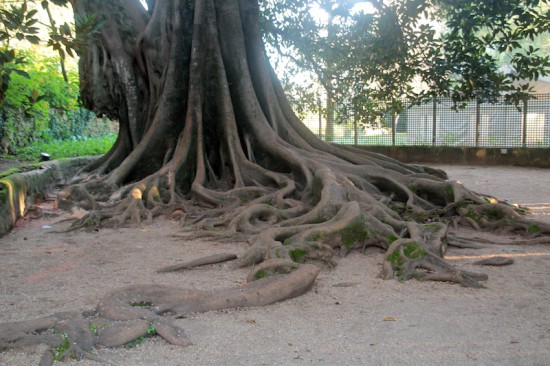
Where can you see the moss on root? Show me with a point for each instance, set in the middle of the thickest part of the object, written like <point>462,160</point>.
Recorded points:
<point>355,232</point>
<point>407,251</point>
<point>298,255</point>
<point>432,227</point>
<point>533,229</point>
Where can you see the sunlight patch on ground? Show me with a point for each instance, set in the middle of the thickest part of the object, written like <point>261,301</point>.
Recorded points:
<point>485,256</point>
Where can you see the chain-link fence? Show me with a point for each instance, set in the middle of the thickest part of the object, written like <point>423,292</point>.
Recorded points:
<point>437,123</point>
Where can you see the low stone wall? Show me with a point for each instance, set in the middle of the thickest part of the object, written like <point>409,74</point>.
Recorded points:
<point>19,191</point>
<point>531,157</point>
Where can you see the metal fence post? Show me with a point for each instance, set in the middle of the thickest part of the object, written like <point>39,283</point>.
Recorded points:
<point>320,117</point>
<point>478,121</point>
<point>355,139</point>
<point>434,120</point>
<point>392,128</point>
<point>524,123</point>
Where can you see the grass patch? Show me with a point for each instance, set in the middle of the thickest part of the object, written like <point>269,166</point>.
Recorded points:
<point>68,148</point>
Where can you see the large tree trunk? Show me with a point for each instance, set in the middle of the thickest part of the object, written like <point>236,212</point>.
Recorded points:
<point>205,129</point>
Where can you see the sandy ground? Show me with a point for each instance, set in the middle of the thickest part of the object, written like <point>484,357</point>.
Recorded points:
<point>434,323</point>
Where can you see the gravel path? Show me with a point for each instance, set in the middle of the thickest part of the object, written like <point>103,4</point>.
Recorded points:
<point>349,318</point>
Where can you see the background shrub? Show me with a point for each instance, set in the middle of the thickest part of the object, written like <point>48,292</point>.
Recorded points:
<point>44,108</point>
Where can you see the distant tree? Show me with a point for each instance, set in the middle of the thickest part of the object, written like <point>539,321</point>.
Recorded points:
<point>371,58</point>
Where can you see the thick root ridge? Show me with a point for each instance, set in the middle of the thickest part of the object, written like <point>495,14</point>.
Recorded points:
<point>143,201</point>
<point>333,213</point>
<point>212,259</point>
<point>406,259</point>
<point>131,314</point>
<point>162,300</point>
<point>502,218</point>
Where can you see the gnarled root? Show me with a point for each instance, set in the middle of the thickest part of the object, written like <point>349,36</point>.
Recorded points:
<point>143,202</point>
<point>211,259</point>
<point>494,261</point>
<point>134,312</point>
<point>406,259</point>
<point>160,300</point>
<point>68,335</point>
<point>502,218</point>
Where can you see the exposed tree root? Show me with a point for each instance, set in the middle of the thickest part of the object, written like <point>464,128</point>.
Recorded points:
<point>211,259</point>
<point>473,243</point>
<point>132,313</point>
<point>207,134</point>
<point>495,261</point>
<point>234,160</point>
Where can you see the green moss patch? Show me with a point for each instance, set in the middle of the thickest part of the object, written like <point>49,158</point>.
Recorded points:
<point>353,233</point>
<point>533,229</point>
<point>414,251</point>
<point>411,251</point>
<point>392,238</point>
<point>432,227</point>
<point>151,331</point>
<point>298,255</point>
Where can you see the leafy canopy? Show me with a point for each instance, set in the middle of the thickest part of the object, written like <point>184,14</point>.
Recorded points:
<point>383,50</point>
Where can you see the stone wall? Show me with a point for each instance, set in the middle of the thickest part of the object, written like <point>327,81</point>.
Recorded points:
<point>19,191</point>
<point>529,157</point>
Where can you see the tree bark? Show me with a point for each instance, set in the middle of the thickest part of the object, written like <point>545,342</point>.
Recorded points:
<point>205,129</point>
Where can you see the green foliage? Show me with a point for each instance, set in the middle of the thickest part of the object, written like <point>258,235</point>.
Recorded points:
<point>16,23</point>
<point>8,172</point>
<point>392,238</point>
<point>37,101</point>
<point>363,57</point>
<point>19,23</point>
<point>59,351</point>
<point>45,108</point>
<point>479,33</point>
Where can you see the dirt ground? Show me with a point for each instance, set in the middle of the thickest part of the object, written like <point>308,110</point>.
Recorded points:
<point>350,317</point>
